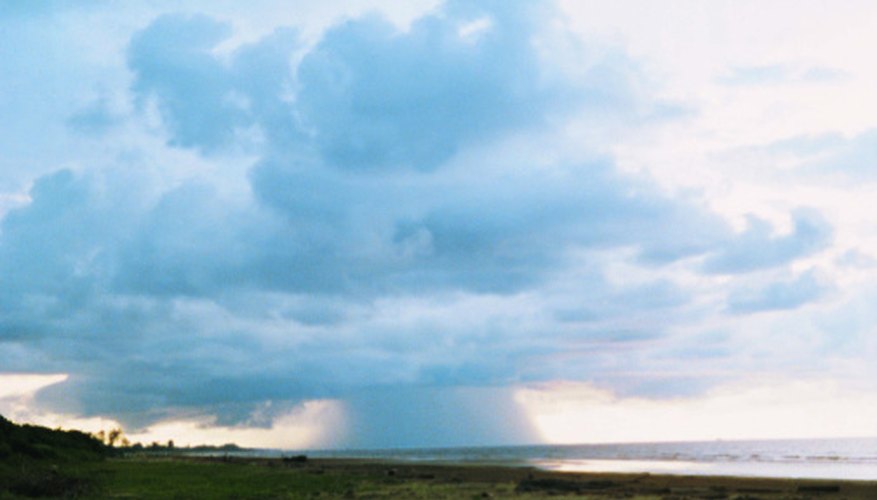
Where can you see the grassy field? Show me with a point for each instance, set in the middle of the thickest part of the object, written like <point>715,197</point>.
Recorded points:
<point>161,479</point>
<point>185,478</point>
<point>168,478</point>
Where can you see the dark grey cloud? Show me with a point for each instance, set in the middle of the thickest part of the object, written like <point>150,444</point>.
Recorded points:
<point>426,417</point>
<point>440,234</point>
<point>195,93</point>
<point>368,95</point>
<point>373,97</point>
<point>655,295</point>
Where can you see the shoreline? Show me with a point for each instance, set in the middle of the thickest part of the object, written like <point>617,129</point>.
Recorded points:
<point>776,469</point>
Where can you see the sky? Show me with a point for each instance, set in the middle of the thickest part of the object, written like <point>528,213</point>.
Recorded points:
<point>439,223</point>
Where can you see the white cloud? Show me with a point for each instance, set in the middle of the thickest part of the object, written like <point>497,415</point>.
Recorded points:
<point>569,412</point>
<point>24,385</point>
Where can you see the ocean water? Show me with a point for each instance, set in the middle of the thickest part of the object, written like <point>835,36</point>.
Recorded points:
<point>848,458</point>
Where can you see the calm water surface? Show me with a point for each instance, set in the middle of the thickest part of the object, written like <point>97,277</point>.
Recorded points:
<point>854,458</point>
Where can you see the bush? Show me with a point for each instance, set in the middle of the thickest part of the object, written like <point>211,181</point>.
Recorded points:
<point>41,443</point>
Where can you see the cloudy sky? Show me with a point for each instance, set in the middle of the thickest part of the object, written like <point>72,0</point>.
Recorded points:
<point>382,223</point>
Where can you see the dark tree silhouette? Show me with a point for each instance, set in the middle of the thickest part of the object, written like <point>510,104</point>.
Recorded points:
<point>114,436</point>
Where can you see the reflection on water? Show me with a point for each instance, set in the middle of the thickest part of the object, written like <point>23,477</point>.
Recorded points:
<point>855,471</point>
<point>653,466</point>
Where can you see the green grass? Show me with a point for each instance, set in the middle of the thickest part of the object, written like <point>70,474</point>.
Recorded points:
<point>136,478</point>
<point>131,478</point>
<point>162,479</point>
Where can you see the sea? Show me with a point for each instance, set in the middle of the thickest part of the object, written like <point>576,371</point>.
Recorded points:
<point>847,458</point>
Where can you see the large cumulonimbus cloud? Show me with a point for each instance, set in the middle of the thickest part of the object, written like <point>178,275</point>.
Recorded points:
<point>392,234</point>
